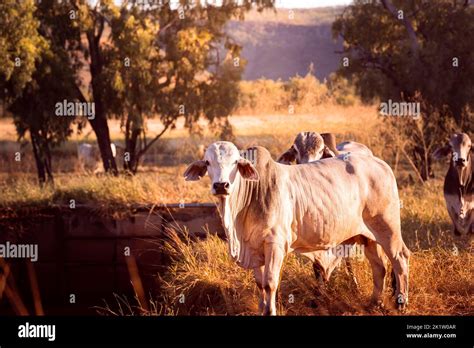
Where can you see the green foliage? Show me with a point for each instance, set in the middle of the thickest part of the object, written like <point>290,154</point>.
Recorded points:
<point>389,59</point>
<point>261,96</point>
<point>143,61</point>
<point>172,63</point>
<point>21,46</point>
<point>42,78</point>
<point>34,111</point>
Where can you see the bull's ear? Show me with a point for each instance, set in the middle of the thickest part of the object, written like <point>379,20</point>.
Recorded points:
<point>195,171</point>
<point>330,143</point>
<point>442,152</point>
<point>288,157</point>
<point>327,153</point>
<point>247,170</point>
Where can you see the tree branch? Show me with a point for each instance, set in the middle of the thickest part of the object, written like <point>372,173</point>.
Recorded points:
<point>415,169</point>
<point>387,4</point>
<point>147,146</point>
<point>80,95</point>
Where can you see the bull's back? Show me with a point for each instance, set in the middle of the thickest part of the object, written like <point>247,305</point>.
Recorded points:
<point>332,195</point>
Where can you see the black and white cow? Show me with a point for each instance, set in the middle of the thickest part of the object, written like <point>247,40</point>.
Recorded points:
<point>458,183</point>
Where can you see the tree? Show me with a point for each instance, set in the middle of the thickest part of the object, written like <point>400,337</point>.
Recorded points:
<point>22,49</point>
<point>34,110</point>
<point>421,53</point>
<point>21,46</point>
<point>172,62</point>
<point>130,60</point>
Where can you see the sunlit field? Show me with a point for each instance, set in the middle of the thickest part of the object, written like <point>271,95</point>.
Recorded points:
<point>160,177</point>
<point>441,266</point>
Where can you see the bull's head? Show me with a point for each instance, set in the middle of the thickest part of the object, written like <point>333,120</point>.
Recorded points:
<point>460,146</point>
<point>308,147</point>
<point>223,163</point>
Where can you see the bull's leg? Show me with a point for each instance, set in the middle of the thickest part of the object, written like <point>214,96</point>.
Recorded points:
<point>258,273</point>
<point>399,256</point>
<point>386,230</point>
<point>374,254</point>
<point>81,167</point>
<point>274,255</point>
<point>393,282</point>
<point>400,259</point>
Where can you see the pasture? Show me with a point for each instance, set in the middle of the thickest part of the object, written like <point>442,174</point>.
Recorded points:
<point>441,266</point>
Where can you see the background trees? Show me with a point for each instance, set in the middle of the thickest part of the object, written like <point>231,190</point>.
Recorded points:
<point>22,49</point>
<point>132,59</point>
<point>156,59</point>
<point>417,51</point>
<point>168,62</point>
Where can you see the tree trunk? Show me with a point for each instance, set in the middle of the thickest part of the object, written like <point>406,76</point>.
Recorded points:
<point>47,163</point>
<point>99,123</point>
<point>132,134</point>
<point>42,158</point>
<point>101,130</point>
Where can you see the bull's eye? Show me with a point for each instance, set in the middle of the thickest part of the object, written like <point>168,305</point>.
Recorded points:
<point>207,163</point>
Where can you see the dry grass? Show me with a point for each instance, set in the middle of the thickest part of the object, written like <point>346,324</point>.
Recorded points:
<point>203,280</point>
<point>164,185</point>
<point>326,117</point>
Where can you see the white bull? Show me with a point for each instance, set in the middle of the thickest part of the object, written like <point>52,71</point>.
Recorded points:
<point>269,209</point>
<point>309,147</point>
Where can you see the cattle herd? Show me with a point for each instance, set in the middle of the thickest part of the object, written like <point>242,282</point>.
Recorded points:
<point>335,195</point>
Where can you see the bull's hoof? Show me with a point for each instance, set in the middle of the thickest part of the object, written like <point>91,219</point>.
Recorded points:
<point>402,308</point>
<point>401,303</point>
<point>375,304</point>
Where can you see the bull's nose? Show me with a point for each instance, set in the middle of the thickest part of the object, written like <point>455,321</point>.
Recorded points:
<point>461,162</point>
<point>221,188</point>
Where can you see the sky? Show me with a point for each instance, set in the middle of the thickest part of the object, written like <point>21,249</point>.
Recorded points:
<point>310,3</point>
